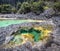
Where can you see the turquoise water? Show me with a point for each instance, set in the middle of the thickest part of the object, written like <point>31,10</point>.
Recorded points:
<point>4,23</point>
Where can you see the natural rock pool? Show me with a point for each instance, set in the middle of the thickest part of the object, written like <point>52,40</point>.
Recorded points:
<point>37,31</point>
<point>33,35</point>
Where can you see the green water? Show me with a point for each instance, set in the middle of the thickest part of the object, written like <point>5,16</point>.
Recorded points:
<point>4,23</point>
<point>36,33</point>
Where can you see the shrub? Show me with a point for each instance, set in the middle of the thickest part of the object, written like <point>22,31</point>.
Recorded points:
<point>34,7</point>
<point>18,5</point>
<point>56,6</point>
<point>37,7</point>
<point>25,8</point>
<point>30,1</point>
<point>0,8</point>
<point>6,8</point>
<point>14,10</point>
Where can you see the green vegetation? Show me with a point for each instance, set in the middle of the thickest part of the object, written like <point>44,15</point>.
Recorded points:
<point>18,5</point>
<point>13,10</point>
<point>37,7</point>
<point>27,6</point>
<point>0,8</point>
<point>56,6</point>
<point>6,8</point>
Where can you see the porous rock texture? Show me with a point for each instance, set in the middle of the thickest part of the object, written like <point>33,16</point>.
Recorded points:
<point>53,45</point>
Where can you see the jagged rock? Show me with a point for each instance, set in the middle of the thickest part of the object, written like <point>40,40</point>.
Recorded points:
<point>49,12</point>
<point>53,47</point>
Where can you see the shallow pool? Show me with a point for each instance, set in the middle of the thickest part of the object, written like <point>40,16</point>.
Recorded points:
<point>4,23</point>
<point>32,34</point>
